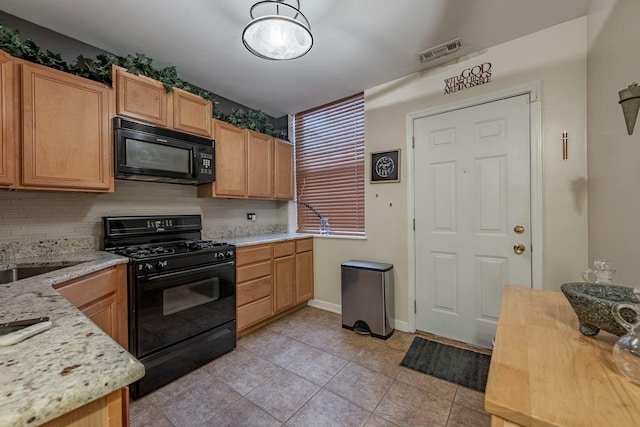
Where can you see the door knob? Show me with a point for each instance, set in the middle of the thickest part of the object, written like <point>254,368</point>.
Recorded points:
<point>519,248</point>
<point>518,229</point>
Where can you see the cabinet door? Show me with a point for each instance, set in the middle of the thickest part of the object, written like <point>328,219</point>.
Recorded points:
<point>140,98</point>
<point>102,297</point>
<point>66,137</point>
<point>230,162</point>
<point>259,165</point>
<point>283,170</point>
<point>191,113</point>
<point>284,272</point>
<point>7,140</point>
<point>304,276</point>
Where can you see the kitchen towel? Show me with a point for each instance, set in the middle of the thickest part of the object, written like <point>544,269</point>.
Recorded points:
<point>463,367</point>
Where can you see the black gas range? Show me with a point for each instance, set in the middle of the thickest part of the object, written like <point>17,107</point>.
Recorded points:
<point>182,294</point>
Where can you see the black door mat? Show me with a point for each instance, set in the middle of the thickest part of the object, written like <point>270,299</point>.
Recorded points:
<point>463,367</point>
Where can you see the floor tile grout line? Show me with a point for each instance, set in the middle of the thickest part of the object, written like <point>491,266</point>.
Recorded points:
<point>343,345</point>
<point>383,396</point>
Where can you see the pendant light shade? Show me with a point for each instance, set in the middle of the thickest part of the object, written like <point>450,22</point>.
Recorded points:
<point>277,31</point>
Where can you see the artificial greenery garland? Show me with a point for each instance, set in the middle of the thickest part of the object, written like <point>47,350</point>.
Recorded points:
<point>99,69</point>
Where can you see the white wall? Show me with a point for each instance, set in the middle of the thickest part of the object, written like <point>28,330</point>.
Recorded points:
<point>557,58</point>
<point>614,157</point>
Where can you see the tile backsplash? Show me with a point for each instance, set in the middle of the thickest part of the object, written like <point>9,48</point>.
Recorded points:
<point>73,221</point>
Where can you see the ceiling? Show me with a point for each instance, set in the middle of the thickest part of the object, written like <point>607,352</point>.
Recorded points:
<point>358,44</point>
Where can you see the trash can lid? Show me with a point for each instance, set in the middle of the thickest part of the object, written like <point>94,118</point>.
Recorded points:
<point>368,265</point>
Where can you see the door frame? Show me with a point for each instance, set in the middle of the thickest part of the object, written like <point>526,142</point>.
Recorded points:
<point>534,90</point>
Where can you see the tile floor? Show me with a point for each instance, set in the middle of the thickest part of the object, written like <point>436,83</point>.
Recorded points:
<point>305,370</point>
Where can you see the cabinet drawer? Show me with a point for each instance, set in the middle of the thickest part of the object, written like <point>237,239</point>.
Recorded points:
<point>253,271</point>
<point>250,254</point>
<point>90,288</point>
<point>304,245</point>
<point>254,312</point>
<point>283,249</point>
<point>253,290</point>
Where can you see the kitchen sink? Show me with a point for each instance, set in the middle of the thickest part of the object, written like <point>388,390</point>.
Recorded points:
<point>18,273</point>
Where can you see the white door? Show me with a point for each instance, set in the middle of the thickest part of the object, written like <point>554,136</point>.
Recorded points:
<point>472,195</point>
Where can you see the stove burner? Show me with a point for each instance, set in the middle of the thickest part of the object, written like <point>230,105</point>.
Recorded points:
<point>200,244</point>
<point>144,251</point>
<point>167,248</point>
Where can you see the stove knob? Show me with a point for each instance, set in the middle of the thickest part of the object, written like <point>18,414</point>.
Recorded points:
<point>160,265</point>
<point>228,254</point>
<point>147,268</point>
<point>218,255</point>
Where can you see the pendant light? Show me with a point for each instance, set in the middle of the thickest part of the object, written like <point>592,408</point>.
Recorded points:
<point>277,30</point>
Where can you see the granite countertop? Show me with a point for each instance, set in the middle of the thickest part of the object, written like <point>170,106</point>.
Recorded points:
<point>266,238</point>
<point>71,364</point>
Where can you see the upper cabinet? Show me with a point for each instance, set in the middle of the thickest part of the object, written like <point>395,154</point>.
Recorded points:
<point>139,97</point>
<point>190,113</point>
<point>7,139</point>
<point>145,99</point>
<point>259,165</point>
<point>283,170</point>
<point>66,138</point>
<point>230,163</point>
<point>250,165</point>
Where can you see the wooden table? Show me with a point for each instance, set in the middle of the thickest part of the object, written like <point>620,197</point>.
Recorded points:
<point>545,373</point>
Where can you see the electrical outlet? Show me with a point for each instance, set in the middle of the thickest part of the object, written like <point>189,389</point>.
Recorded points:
<point>251,217</point>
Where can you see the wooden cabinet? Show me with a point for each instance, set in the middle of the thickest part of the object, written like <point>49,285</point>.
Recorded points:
<point>250,165</point>
<point>111,410</point>
<point>230,163</point>
<point>7,139</point>
<point>272,278</point>
<point>102,297</point>
<point>259,165</point>
<point>145,99</point>
<point>304,270</point>
<point>254,286</point>
<point>139,97</point>
<point>284,274</point>
<point>283,170</point>
<point>190,113</point>
<point>66,135</point>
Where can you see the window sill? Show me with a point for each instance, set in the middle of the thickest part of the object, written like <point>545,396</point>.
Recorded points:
<point>339,237</point>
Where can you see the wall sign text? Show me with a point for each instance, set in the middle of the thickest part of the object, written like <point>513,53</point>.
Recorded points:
<point>473,76</point>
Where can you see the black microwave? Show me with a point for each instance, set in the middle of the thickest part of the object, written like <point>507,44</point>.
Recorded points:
<point>145,152</point>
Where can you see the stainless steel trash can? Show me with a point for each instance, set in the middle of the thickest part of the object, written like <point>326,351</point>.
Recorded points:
<point>367,297</point>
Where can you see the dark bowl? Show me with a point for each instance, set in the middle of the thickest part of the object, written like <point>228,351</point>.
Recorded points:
<point>592,303</point>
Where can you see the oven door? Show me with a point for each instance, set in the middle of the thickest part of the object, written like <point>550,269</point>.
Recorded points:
<point>172,307</point>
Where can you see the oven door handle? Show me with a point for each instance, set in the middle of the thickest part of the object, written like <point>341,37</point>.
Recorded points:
<point>187,272</point>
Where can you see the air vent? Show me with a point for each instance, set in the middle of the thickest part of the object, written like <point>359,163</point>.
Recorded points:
<point>441,50</point>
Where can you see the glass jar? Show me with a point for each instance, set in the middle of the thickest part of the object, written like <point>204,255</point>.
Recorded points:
<point>626,351</point>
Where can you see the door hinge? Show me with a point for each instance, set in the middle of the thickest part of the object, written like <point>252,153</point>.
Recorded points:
<point>415,306</point>
<point>414,224</point>
<point>413,142</point>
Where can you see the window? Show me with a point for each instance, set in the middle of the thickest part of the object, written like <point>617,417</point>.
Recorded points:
<point>330,167</point>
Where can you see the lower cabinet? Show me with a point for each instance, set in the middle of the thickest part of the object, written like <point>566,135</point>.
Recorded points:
<point>254,286</point>
<point>284,275</point>
<point>304,270</point>
<point>102,297</point>
<point>108,411</point>
<point>272,278</point>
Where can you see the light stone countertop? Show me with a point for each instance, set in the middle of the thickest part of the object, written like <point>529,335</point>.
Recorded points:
<point>71,364</point>
<point>265,238</point>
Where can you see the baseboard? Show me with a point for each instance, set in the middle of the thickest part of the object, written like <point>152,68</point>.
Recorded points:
<point>327,306</point>
<point>400,325</point>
